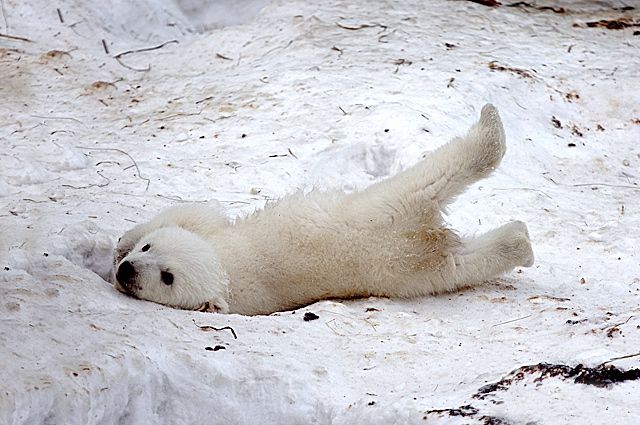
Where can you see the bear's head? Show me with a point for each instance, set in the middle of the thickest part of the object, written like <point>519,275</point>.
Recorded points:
<point>175,267</point>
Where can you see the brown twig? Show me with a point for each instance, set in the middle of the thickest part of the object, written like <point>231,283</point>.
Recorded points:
<point>179,114</point>
<point>148,68</point>
<point>15,37</point>
<point>119,56</point>
<point>135,164</point>
<point>145,49</point>
<point>90,185</point>
<point>234,202</point>
<point>211,328</point>
<point>615,24</point>
<point>359,27</point>
<point>622,186</point>
<point>132,124</point>
<point>628,356</point>
<point>59,118</point>
<point>104,46</point>
<point>548,297</point>
<point>490,3</point>
<point>495,66</point>
<point>179,199</point>
<point>276,48</point>
<point>61,131</point>
<point>615,325</point>
<point>352,318</point>
<point>523,188</point>
<point>60,15</point>
<point>512,320</point>
<point>197,102</point>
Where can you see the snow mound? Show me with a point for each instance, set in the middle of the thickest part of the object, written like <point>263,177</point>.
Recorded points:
<point>113,110</point>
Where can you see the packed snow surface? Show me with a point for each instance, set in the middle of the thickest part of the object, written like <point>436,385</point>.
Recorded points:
<point>110,111</point>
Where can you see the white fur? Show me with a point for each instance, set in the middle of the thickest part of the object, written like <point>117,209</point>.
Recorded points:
<point>388,240</point>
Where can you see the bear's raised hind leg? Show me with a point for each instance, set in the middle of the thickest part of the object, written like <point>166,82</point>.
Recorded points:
<point>445,173</point>
<point>448,171</point>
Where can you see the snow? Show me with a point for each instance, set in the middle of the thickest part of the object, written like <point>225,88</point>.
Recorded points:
<point>256,100</point>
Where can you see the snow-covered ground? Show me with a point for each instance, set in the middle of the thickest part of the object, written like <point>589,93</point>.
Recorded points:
<point>243,105</point>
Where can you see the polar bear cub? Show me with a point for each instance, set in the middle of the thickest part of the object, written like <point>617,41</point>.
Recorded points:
<point>388,240</point>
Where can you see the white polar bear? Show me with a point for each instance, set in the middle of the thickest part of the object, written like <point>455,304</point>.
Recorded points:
<point>388,240</point>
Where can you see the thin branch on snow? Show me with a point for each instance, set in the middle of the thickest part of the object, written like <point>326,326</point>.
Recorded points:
<point>523,188</point>
<point>490,3</point>
<point>628,356</point>
<point>144,49</point>
<point>615,325</point>
<point>59,118</point>
<point>233,202</point>
<point>331,324</point>
<point>132,124</point>
<point>211,328</point>
<point>15,37</point>
<point>135,164</point>
<point>512,320</point>
<point>197,102</point>
<point>148,68</point>
<point>179,114</point>
<point>179,199</point>
<point>621,186</point>
<point>91,185</point>
<point>119,56</point>
<point>360,26</point>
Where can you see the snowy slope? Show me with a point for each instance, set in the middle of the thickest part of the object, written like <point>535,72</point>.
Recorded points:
<point>296,95</point>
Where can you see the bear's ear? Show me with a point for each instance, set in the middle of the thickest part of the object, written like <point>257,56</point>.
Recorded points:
<point>217,305</point>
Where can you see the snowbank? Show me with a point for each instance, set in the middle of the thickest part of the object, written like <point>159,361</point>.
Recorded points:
<point>295,95</point>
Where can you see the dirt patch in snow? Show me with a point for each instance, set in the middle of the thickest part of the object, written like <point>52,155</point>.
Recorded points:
<point>602,376</point>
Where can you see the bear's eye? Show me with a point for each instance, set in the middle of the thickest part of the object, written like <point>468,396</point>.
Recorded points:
<point>166,277</point>
<point>146,248</point>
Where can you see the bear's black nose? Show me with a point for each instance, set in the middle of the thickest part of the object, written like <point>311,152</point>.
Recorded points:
<point>126,273</point>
